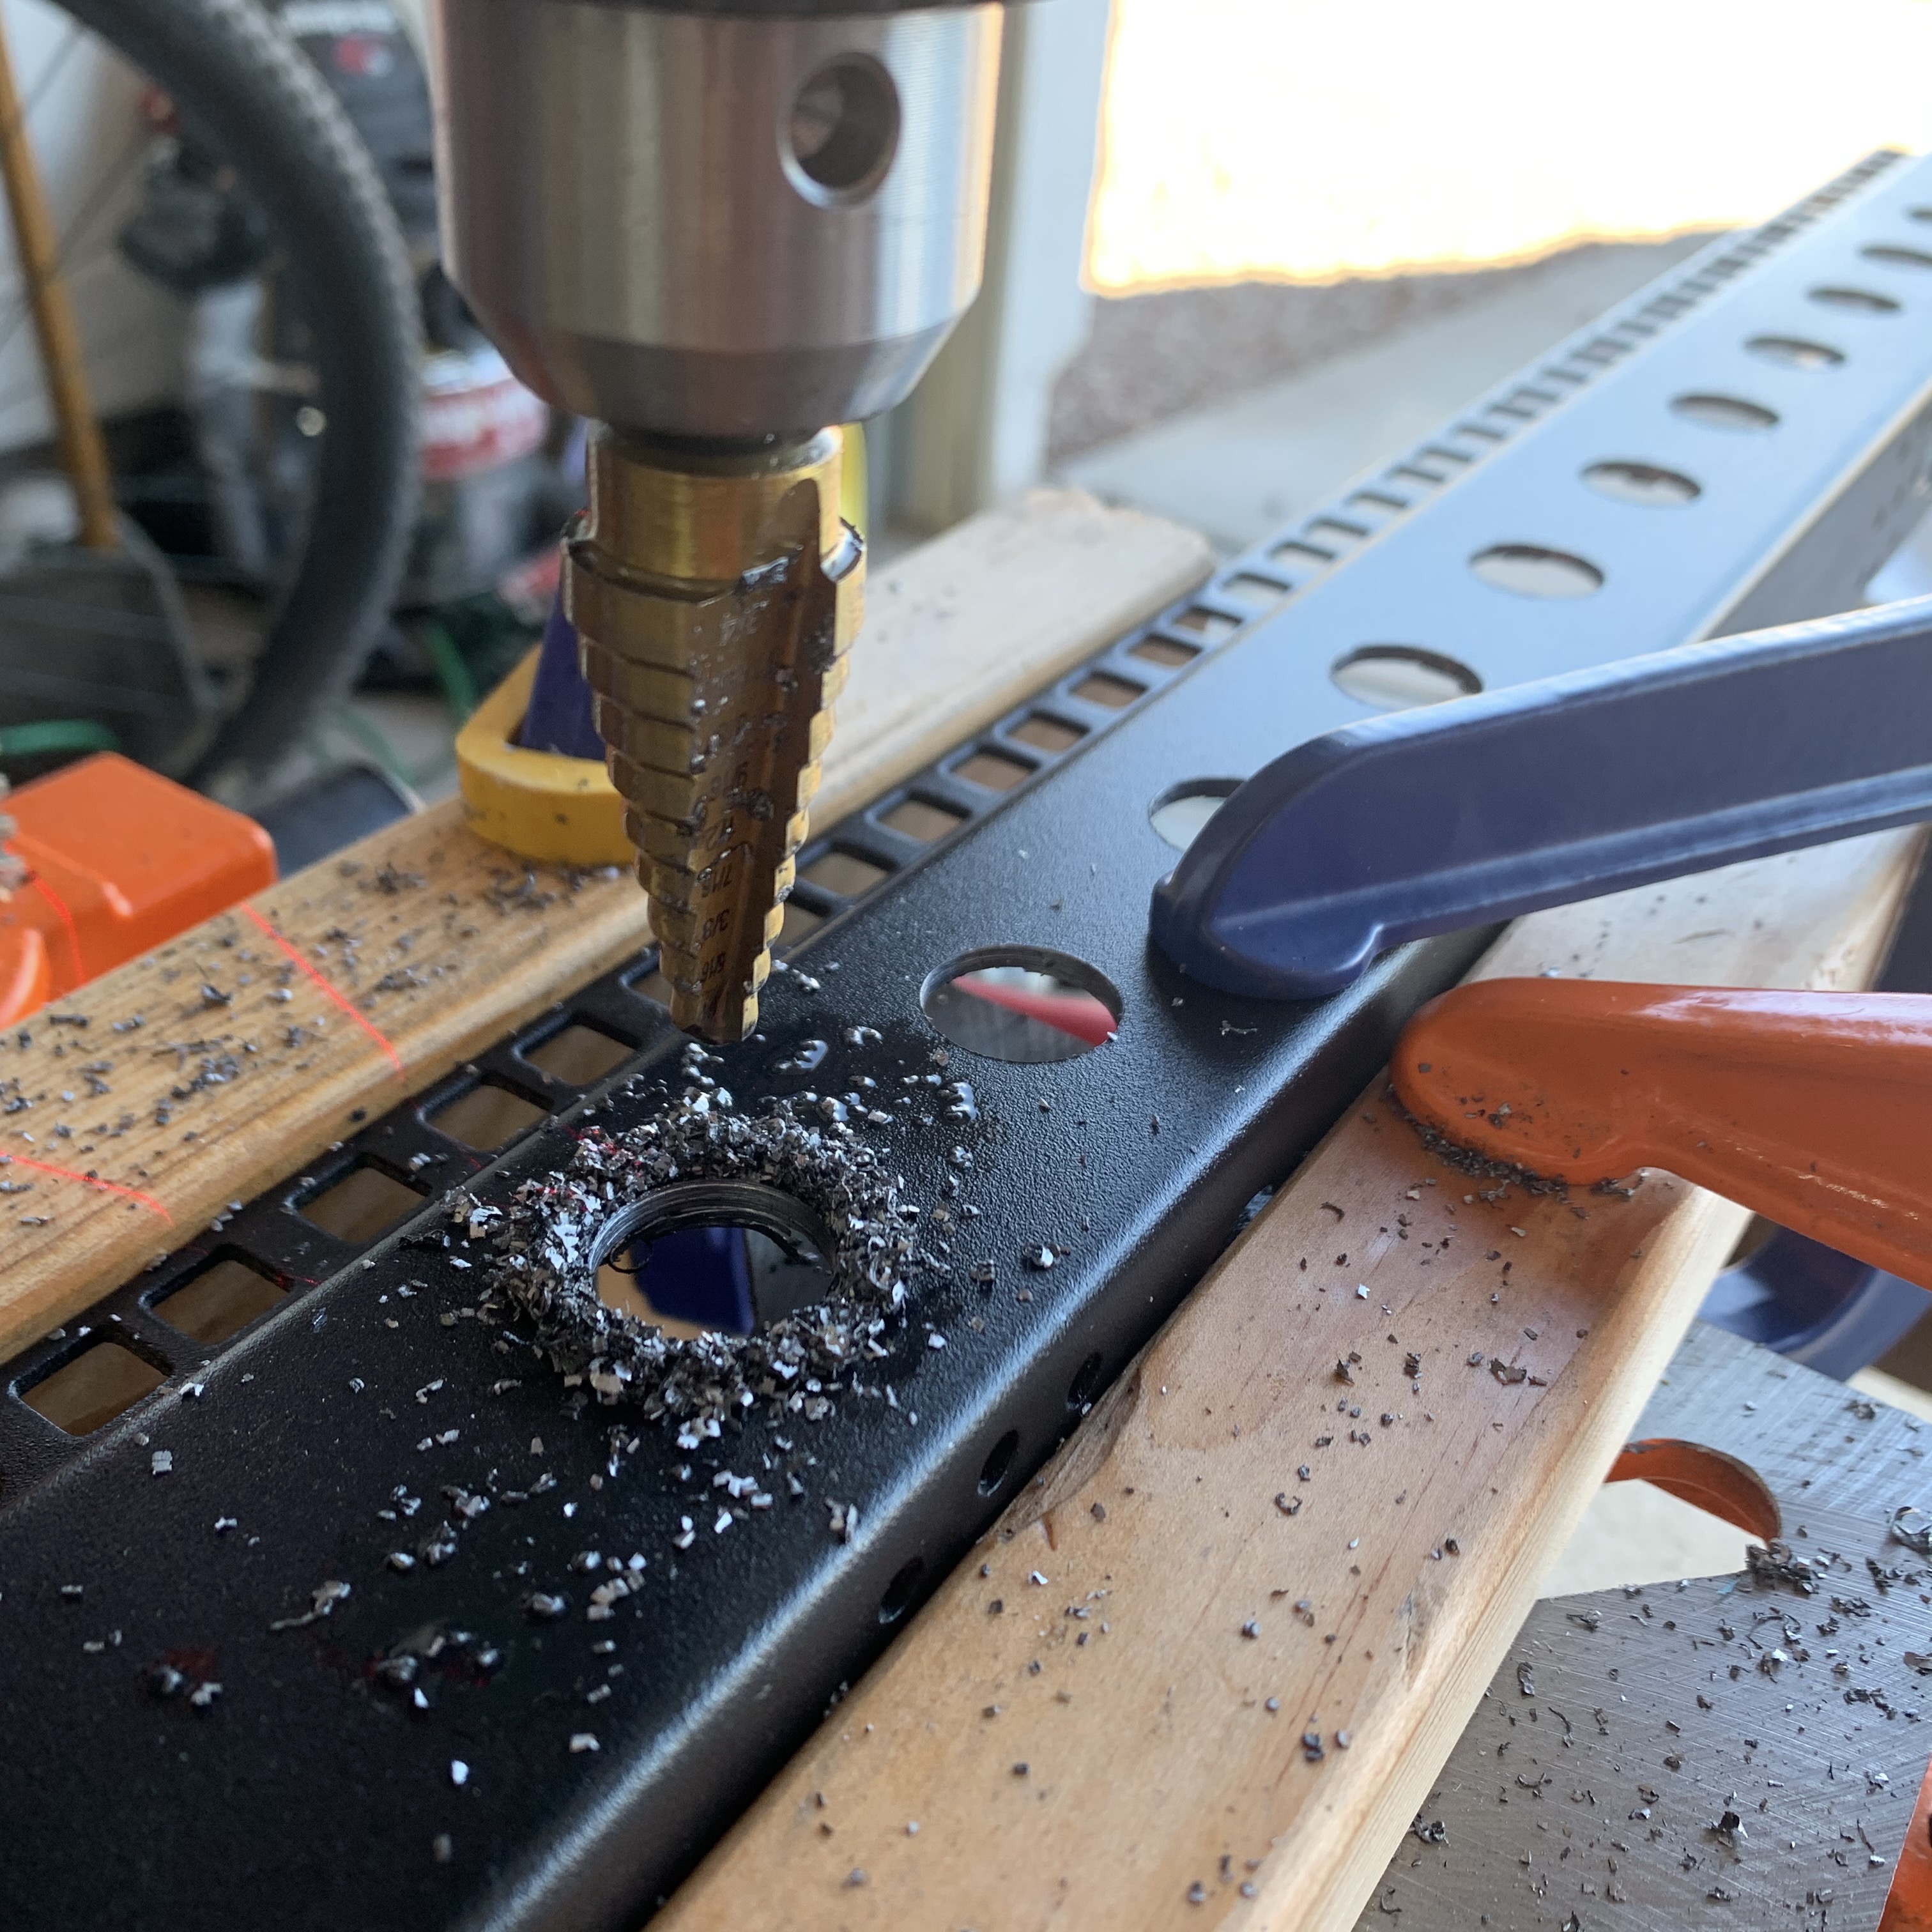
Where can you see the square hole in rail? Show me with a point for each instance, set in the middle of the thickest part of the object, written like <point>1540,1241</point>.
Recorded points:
<point>1098,687</point>
<point>991,772</point>
<point>1048,734</point>
<point>220,1299</point>
<point>799,921</point>
<point>89,1390</point>
<point>1333,532</point>
<point>916,819</point>
<point>363,1205</point>
<point>1208,624</point>
<point>1293,556</point>
<point>1256,590</point>
<point>579,1053</point>
<point>1165,651</point>
<point>487,1117</point>
<point>844,873</point>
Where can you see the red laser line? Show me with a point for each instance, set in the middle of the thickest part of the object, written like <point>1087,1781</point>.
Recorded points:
<point>362,1020</point>
<point>59,904</point>
<point>147,1200</point>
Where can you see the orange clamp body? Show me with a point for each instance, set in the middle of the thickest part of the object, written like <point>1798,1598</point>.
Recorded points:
<point>119,859</point>
<point>1814,1109</point>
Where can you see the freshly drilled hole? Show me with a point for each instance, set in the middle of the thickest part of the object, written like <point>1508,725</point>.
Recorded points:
<point>1208,624</point>
<point>1085,1385</point>
<point>701,1256</point>
<point>901,1590</point>
<point>366,1203</point>
<point>1729,413</point>
<point>1258,591</point>
<point>1116,694</point>
<point>844,873</point>
<point>999,1462</point>
<point>843,131</point>
<point>1894,256</point>
<point>1857,302</point>
<point>1528,570</point>
<point>1164,651</point>
<point>1182,810</point>
<point>92,1388</point>
<point>579,1054</point>
<point>1024,1004</point>
<point>1048,734</point>
<point>916,819</point>
<point>487,1117</point>
<point>1793,352</point>
<point>1398,677</point>
<point>1643,484</point>
<point>220,1300</point>
<point>991,772</point>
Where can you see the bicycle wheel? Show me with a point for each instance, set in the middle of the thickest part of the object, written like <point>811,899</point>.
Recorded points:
<point>233,72</point>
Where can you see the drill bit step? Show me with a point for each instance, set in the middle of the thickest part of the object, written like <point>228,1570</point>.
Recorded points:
<point>715,595</point>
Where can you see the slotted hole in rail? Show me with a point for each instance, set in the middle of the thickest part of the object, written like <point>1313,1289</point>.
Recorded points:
<point>1645,485</point>
<point>1399,677</point>
<point>1049,734</point>
<point>1164,652</point>
<point>1259,591</point>
<point>1731,414</point>
<point>220,1299</point>
<point>844,873</point>
<point>364,1204</point>
<point>1179,812</point>
<point>1529,570</point>
<point>991,772</point>
<point>89,1390</point>
<point>1028,1005</point>
<point>578,1053</point>
<point>798,920</point>
<point>1893,256</point>
<point>1208,624</point>
<point>917,818</point>
<point>700,1257</point>
<point>1856,301</point>
<point>486,1117</point>
<point>999,1463</point>
<point>1793,352</point>
<point>1115,693</point>
<point>901,1590</point>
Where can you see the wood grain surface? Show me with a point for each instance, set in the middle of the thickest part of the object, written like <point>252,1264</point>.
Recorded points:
<point>133,1112</point>
<point>1205,1669</point>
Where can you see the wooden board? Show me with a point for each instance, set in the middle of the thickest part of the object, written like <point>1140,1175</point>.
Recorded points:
<point>1098,1719</point>
<point>132,1112</point>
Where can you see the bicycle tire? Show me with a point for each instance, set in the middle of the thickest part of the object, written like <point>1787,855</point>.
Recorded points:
<point>245,81</point>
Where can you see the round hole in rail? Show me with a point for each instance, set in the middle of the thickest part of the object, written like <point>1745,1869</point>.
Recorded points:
<point>1889,255</point>
<point>901,1590</point>
<point>1087,1382</point>
<point>1024,1004</point>
<point>1855,301</point>
<point>842,131</point>
<point>1528,570</point>
<point>999,1463</point>
<point>1731,414</point>
<point>702,1256</point>
<point>1793,352</point>
<point>1399,677</point>
<point>1646,485</point>
<point>1179,812</point>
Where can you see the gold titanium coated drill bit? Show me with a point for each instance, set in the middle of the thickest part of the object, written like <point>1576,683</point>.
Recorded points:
<point>715,595</point>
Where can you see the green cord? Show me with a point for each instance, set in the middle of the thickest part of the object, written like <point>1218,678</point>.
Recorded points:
<point>452,673</point>
<point>374,741</point>
<point>55,734</point>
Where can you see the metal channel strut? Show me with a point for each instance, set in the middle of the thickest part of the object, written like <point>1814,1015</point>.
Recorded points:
<point>393,1398</point>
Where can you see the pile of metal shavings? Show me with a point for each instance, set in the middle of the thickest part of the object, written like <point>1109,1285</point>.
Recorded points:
<point>545,1237</point>
<point>1452,1153</point>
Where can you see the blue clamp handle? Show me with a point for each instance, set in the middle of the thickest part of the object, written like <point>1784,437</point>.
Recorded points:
<point>1477,810</point>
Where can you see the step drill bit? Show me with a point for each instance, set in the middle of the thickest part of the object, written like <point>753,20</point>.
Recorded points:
<point>715,595</point>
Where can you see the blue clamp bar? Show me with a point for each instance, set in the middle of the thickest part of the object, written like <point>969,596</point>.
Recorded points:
<point>1485,807</point>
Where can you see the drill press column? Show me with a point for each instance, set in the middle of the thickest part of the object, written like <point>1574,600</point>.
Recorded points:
<point>717,228</point>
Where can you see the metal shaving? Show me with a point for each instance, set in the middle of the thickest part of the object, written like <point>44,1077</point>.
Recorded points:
<point>546,1236</point>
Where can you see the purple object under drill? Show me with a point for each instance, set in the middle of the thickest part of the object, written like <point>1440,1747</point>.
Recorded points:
<point>558,718</point>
